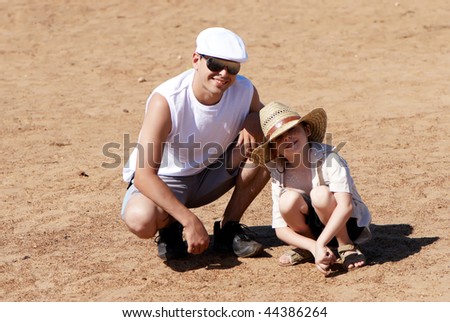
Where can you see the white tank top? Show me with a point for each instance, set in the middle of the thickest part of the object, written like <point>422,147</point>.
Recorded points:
<point>200,133</point>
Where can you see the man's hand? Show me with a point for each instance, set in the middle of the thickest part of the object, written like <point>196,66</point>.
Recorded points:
<point>247,143</point>
<point>196,236</point>
<point>248,137</point>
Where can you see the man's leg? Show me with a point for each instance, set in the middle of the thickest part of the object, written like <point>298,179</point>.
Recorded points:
<point>229,234</point>
<point>249,183</point>
<point>144,218</point>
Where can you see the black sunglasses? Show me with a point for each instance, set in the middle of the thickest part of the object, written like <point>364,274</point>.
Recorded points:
<point>217,64</point>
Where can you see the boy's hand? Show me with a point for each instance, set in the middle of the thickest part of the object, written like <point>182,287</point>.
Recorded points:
<point>324,258</point>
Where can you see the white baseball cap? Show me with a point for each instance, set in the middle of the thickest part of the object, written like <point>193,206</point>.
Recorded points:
<point>221,43</point>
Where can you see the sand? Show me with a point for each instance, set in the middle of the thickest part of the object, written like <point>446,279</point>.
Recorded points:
<point>75,78</point>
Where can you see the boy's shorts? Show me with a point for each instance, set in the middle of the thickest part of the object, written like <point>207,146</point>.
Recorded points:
<point>316,226</point>
<point>196,190</point>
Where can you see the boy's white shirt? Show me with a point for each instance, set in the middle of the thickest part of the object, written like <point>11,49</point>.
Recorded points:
<point>337,177</point>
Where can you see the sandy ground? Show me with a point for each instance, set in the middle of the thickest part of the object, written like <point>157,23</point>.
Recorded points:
<point>71,100</point>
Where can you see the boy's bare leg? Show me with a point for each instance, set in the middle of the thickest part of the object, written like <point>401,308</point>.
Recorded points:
<point>324,206</point>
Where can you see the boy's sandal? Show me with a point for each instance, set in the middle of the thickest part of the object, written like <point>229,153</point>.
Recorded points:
<point>294,257</point>
<point>350,254</point>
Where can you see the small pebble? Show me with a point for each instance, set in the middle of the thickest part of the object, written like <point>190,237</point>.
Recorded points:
<point>83,174</point>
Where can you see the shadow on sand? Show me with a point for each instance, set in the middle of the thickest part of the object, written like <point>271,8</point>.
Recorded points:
<point>389,243</point>
<point>213,260</point>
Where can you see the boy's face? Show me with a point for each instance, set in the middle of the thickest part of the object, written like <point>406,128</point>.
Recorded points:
<point>292,142</point>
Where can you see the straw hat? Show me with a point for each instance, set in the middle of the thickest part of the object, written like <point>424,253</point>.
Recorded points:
<point>277,118</point>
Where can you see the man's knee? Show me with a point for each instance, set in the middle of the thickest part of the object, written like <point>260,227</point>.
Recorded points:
<point>140,223</point>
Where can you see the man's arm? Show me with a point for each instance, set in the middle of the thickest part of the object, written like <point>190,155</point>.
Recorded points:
<point>251,134</point>
<point>155,130</point>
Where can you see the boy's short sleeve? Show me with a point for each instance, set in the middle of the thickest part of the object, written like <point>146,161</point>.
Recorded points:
<point>277,219</point>
<point>338,173</point>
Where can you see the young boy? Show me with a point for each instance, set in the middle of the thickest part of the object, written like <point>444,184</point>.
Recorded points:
<point>315,202</point>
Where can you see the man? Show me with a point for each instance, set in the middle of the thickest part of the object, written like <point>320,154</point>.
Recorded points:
<point>198,131</point>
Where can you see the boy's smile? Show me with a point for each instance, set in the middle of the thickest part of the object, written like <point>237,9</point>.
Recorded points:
<point>292,141</point>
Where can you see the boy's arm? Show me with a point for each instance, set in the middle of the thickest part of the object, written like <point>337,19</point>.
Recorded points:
<point>338,219</point>
<point>290,237</point>
<point>339,184</point>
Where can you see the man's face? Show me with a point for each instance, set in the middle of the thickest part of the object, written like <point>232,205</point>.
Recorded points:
<point>216,75</point>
